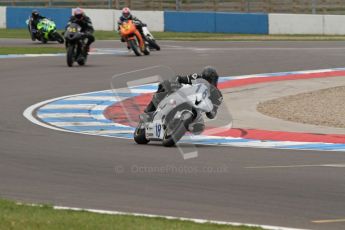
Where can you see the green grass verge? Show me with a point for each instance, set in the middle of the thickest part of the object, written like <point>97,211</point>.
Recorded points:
<point>110,35</point>
<point>30,50</point>
<point>14,216</point>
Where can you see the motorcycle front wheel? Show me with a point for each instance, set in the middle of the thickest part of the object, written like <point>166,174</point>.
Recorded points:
<point>139,135</point>
<point>134,46</point>
<point>81,59</point>
<point>70,55</point>
<point>172,136</point>
<point>32,34</point>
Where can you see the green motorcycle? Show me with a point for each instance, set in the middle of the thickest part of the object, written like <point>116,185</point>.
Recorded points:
<point>46,31</point>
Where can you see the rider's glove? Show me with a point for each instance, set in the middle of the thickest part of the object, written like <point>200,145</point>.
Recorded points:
<point>175,85</point>
<point>211,115</point>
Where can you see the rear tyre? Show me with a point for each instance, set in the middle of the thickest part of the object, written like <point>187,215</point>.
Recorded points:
<point>146,50</point>
<point>139,135</point>
<point>134,47</point>
<point>70,55</point>
<point>153,44</point>
<point>58,38</point>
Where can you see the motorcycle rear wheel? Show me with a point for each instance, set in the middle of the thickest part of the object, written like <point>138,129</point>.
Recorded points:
<point>153,44</point>
<point>58,38</point>
<point>146,50</point>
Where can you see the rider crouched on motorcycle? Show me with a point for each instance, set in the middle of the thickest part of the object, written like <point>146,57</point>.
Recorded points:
<point>80,18</point>
<point>126,15</point>
<point>168,86</point>
<point>34,20</point>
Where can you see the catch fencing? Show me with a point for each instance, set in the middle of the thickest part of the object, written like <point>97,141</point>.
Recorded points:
<point>264,6</point>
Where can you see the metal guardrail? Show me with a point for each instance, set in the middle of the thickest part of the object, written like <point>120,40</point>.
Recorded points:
<point>266,6</point>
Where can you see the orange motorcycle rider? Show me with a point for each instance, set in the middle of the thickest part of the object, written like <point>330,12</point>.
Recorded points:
<point>127,17</point>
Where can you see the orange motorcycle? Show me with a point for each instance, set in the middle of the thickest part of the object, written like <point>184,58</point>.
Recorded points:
<point>132,36</point>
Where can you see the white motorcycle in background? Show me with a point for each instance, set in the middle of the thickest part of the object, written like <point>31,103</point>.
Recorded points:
<point>148,37</point>
<point>177,113</point>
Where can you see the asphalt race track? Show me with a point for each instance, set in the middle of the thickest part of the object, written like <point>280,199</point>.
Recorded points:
<point>226,183</point>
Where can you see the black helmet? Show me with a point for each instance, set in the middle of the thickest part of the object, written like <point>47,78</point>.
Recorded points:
<point>35,14</point>
<point>210,74</point>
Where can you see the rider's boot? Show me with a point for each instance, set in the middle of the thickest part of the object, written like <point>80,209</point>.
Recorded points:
<point>87,48</point>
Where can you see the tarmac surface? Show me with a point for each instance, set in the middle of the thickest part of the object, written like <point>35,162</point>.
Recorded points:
<point>223,183</point>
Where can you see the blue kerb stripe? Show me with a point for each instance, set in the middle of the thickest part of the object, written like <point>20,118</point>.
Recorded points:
<point>315,146</point>
<point>10,56</point>
<point>109,94</point>
<point>42,111</point>
<point>49,111</point>
<point>96,112</point>
<point>224,80</point>
<point>338,68</point>
<point>123,135</point>
<point>76,119</point>
<point>97,128</point>
<point>149,87</point>
<point>279,74</point>
<point>80,102</point>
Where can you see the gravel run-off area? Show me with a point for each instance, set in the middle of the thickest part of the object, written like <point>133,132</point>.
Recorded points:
<point>324,107</point>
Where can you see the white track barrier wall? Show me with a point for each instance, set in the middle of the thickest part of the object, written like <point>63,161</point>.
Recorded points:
<point>334,24</point>
<point>295,24</point>
<point>153,19</point>
<point>107,19</point>
<point>306,24</point>
<point>102,19</point>
<point>2,17</point>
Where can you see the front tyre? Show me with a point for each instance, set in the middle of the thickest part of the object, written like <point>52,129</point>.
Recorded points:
<point>139,135</point>
<point>171,137</point>
<point>173,134</point>
<point>134,47</point>
<point>70,55</point>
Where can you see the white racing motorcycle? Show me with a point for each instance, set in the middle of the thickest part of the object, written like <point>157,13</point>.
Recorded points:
<point>177,113</point>
<point>150,40</point>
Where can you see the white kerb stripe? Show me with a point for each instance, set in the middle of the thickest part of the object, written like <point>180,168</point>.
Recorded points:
<point>200,221</point>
